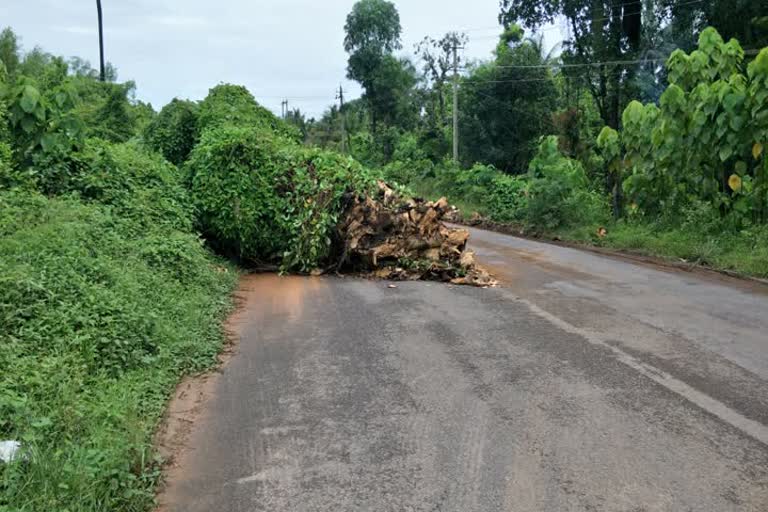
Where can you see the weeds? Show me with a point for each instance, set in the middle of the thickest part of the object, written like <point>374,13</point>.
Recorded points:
<point>97,325</point>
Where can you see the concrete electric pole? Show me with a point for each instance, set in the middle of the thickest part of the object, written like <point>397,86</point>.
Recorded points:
<point>455,103</point>
<point>340,97</point>
<point>284,108</point>
<point>102,71</point>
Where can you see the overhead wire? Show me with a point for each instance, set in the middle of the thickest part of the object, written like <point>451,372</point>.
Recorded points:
<point>497,27</point>
<point>582,65</point>
<point>605,18</point>
<point>535,66</point>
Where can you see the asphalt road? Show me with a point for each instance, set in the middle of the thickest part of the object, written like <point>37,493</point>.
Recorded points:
<point>583,383</point>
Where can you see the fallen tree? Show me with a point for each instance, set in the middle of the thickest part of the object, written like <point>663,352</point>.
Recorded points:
<point>405,239</point>
<point>264,198</point>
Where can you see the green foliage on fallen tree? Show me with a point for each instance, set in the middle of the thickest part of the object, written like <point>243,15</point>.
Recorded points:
<point>174,131</point>
<point>228,104</point>
<point>266,199</point>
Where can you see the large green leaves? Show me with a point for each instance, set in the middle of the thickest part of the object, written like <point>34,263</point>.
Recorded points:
<point>712,118</point>
<point>30,97</point>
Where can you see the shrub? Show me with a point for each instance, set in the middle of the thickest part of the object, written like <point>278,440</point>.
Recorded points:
<point>409,161</point>
<point>705,141</point>
<point>174,131</point>
<point>113,120</point>
<point>40,121</point>
<point>507,199</point>
<point>228,104</point>
<point>404,172</point>
<point>8,176</point>
<point>475,183</point>
<point>98,323</point>
<point>138,184</point>
<point>266,199</point>
<point>558,192</point>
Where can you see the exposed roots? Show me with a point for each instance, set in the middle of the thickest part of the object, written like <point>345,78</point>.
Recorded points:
<point>405,239</point>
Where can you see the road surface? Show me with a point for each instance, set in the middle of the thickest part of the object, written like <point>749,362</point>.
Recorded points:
<point>583,383</point>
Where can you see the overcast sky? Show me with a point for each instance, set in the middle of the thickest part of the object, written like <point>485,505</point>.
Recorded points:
<point>276,48</point>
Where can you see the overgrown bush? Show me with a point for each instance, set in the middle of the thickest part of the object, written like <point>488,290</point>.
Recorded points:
<point>472,185</point>
<point>507,199</point>
<point>139,185</point>
<point>265,199</point>
<point>409,162</point>
<point>234,105</point>
<point>113,120</point>
<point>558,191</point>
<point>174,131</point>
<point>554,193</point>
<point>7,174</point>
<point>99,317</point>
<point>40,121</point>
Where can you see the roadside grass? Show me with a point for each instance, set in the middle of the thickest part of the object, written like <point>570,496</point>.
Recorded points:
<point>703,243</point>
<point>744,252</point>
<point>100,315</point>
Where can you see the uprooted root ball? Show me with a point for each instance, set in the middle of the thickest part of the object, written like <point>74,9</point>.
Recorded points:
<point>405,239</point>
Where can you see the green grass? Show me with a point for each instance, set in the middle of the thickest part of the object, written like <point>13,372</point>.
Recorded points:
<point>99,318</point>
<point>700,240</point>
<point>744,252</point>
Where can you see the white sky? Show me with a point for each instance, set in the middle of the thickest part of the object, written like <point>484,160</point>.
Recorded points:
<point>276,48</point>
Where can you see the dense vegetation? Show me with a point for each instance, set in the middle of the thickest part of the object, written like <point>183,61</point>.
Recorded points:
<point>109,292</point>
<point>259,194</point>
<point>99,317</point>
<point>617,128</point>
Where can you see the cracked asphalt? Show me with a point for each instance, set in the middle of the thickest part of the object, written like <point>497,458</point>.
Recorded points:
<point>583,383</point>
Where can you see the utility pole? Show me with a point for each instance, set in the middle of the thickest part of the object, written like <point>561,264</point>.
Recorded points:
<point>284,108</point>
<point>340,97</point>
<point>102,72</point>
<point>455,103</point>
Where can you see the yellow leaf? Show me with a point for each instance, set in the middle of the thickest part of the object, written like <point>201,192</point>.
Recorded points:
<point>734,182</point>
<point>757,150</point>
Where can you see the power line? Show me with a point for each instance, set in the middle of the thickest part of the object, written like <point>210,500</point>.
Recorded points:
<point>587,64</point>
<point>498,27</point>
<point>292,97</point>
<point>605,18</point>
<point>521,80</point>
<point>603,63</point>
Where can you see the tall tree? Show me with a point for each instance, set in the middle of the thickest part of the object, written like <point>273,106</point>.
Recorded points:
<point>507,104</point>
<point>297,118</point>
<point>9,51</point>
<point>372,35</point>
<point>745,20</point>
<point>603,31</point>
<point>437,65</point>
